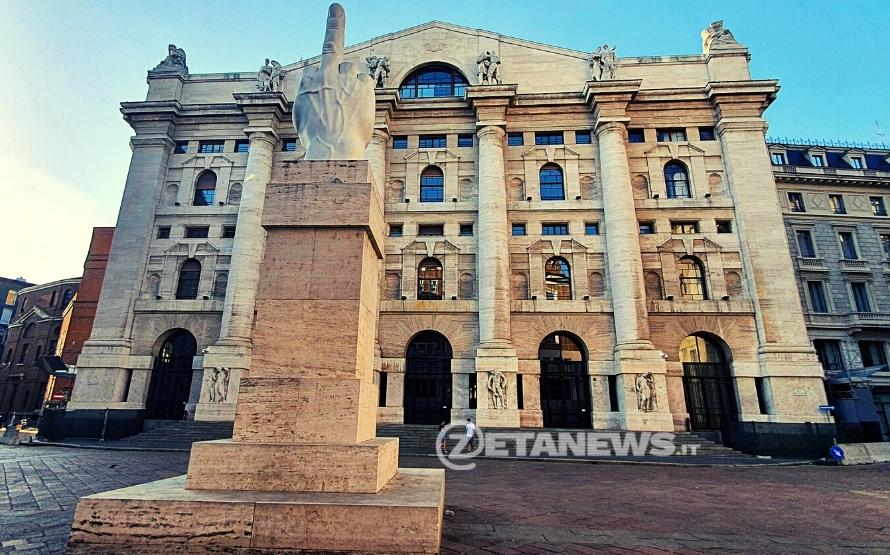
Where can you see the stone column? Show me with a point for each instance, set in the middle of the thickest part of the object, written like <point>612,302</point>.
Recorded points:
<point>634,352</point>
<point>233,350</point>
<point>787,359</point>
<point>376,156</point>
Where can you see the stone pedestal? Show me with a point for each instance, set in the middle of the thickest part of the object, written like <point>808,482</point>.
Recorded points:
<point>304,470</point>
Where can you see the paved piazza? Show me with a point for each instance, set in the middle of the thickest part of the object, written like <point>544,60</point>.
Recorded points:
<point>566,508</point>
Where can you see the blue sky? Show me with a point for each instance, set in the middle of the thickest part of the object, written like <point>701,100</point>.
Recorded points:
<point>68,64</point>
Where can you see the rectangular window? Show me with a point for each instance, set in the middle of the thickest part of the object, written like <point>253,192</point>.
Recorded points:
<point>856,162</point>
<point>228,232</point>
<point>778,159</point>
<point>805,243</point>
<point>400,142</point>
<point>724,226</point>
<point>288,145</point>
<point>465,140</point>
<point>555,229</point>
<point>877,206</point>
<point>197,232</point>
<point>671,135</point>
<point>181,147</point>
<point>885,245</point>
<point>164,232</point>
<point>635,136</point>
<point>706,134</point>
<point>433,141</point>
<point>829,353</point>
<point>11,296</point>
<point>836,203</point>
<point>860,296</point>
<point>848,245</point>
<point>6,316</point>
<point>515,139</point>
<point>519,229</point>
<point>872,353</point>
<point>818,303</point>
<point>549,138</point>
<point>795,201</point>
<point>818,160</point>
<point>647,228</point>
<point>430,229</point>
<point>210,147</point>
<point>466,230</point>
<point>684,228</point>
<point>582,137</point>
<point>591,228</point>
<point>395,230</point>
<point>242,145</point>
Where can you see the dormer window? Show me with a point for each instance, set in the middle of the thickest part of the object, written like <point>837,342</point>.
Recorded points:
<point>856,162</point>
<point>818,160</point>
<point>778,158</point>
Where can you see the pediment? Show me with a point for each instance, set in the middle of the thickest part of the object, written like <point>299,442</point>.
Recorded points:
<point>34,314</point>
<point>444,247</point>
<point>430,156</point>
<point>541,245</point>
<point>550,153</point>
<point>674,150</point>
<point>207,161</point>
<point>417,247</point>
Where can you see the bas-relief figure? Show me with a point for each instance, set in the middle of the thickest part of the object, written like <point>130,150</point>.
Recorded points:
<point>334,108</point>
<point>603,63</point>
<point>488,69</point>
<point>716,34</point>
<point>497,389</point>
<point>378,68</point>
<point>644,384</point>
<point>269,77</point>
<point>175,60</point>
<point>219,385</point>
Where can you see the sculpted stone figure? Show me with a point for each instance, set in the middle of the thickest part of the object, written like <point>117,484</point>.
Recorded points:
<point>497,389</point>
<point>219,385</point>
<point>334,107</point>
<point>716,34</point>
<point>603,63</point>
<point>276,77</point>
<point>488,70</point>
<point>175,60</point>
<point>644,384</point>
<point>378,67</point>
<point>264,77</point>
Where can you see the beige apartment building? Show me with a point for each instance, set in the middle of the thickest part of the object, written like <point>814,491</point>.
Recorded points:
<point>576,239</point>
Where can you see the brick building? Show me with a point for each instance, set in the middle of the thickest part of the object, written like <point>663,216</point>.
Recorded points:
<point>8,293</point>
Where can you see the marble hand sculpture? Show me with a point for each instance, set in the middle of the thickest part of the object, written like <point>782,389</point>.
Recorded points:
<point>334,107</point>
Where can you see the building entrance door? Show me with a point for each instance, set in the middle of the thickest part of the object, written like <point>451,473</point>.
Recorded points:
<point>171,377</point>
<point>565,383</point>
<point>707,383</point>
<point>428,379</point>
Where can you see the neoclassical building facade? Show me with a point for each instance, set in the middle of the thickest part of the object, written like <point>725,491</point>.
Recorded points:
<point>574,240</point>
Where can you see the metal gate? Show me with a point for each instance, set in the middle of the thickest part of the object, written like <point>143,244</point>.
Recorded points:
<point>565,394</point>
<point>428,380</point>
<point>710,394</point>
<point>171,378</point>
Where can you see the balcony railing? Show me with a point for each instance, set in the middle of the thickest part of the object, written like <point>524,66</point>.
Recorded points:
<point>867,319</point>
<point>854,265</point>
<point>811,263</point>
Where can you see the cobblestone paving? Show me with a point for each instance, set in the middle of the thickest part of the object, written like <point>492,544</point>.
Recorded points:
<point>529,507</point>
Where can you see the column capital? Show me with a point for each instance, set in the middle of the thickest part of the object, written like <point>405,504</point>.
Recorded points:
<point>152,118</point>
<point>386,101</point>
<point>617,125</point>
<point>380,135</point>
<point>733,99</point>
<point>490,103</point>
<point>491,133</point>
<point>266,135</point>
<point>264,111</point>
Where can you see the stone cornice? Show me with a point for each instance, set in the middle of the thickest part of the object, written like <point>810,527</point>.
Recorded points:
<point>742,98</point>
<point>152,117</point>
<point>264,111</point>
<point>490,103</point>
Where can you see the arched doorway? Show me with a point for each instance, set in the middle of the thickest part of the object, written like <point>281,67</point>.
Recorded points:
<point>565,383</point>
<point>428,379</point>
<point>707,383</point>
<point>171,377</point>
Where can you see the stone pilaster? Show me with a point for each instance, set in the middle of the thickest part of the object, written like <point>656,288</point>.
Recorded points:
<point>787,359</point>
<point>233,350</point>
<point>375,153</point>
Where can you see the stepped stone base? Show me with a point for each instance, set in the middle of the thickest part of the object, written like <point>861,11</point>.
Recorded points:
<point>164,517</point>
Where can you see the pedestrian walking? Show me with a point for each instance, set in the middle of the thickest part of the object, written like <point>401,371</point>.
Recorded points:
<point>471,434</point>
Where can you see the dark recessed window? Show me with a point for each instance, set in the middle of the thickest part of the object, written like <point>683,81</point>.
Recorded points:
<point>684,228</point>
<point>860,297</point>
<point>872,353</point>
<point>671,135</point>
<point>288,145</point>
<point>430,229</point>
<point>228,232</point>
<point>582,137</point>
<point>205,189</point>
<point>549,138</point>
<point>706,134</point>
<point>848,245</point>
<point>818,302</point>
<point>778,158</point>
<point>519,229</point>
<point>395,230</point>
<point>197,232</point>
<point>400,142</point>
<point>885,245</point>
<point>515,139</point>
<point>432,185</point>
<point>795,202</point>
<point>647,228</point>
<point>433,82</point>
<point>465,140</point>
<point>877,206</point>
<point>724,226</point>
<point>591,228</point>
<point>466,230</point>
<point>635,136</point>
<point>242,145</point>
<point>164,232</point>
<point>555,229</point>
<point>433,141</point>
<point>189,278</point>
<point>552,185</point>
<point>676,180</point>
<point>557,279</point>
<point>181,147</point>
<point>210,147</point>
<point>836,203</point>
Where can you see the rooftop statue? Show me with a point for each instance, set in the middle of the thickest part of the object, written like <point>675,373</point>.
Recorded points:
<point>603,63</point>
<point>489,69</point>
<point>716,34</point>
<point>269,77</point>
<point>334,107</point>
<point>175,60</point>
<point>378,66</point>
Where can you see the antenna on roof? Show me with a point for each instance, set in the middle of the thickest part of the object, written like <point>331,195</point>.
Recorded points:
<point>879,132</point>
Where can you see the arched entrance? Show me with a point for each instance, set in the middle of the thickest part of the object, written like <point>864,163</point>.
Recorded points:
<point>565,383</point>
<point>171,377</point>
<point>707,383</point>
<point>428,379</point>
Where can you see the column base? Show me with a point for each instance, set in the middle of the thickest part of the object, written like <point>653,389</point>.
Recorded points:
<point>164,517</point>
<point>644,403</point>
<point>216,402</point>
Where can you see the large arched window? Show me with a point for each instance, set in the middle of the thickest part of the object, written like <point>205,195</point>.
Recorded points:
<point>205,189</point>
<point>432,185</point>
<point>189,277</point>
<point>433,81</point>
<point>676,180</point>
<point>552,183</point>
<point>692,278</point>
<point>558,279</point>
<point>429,280</point>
